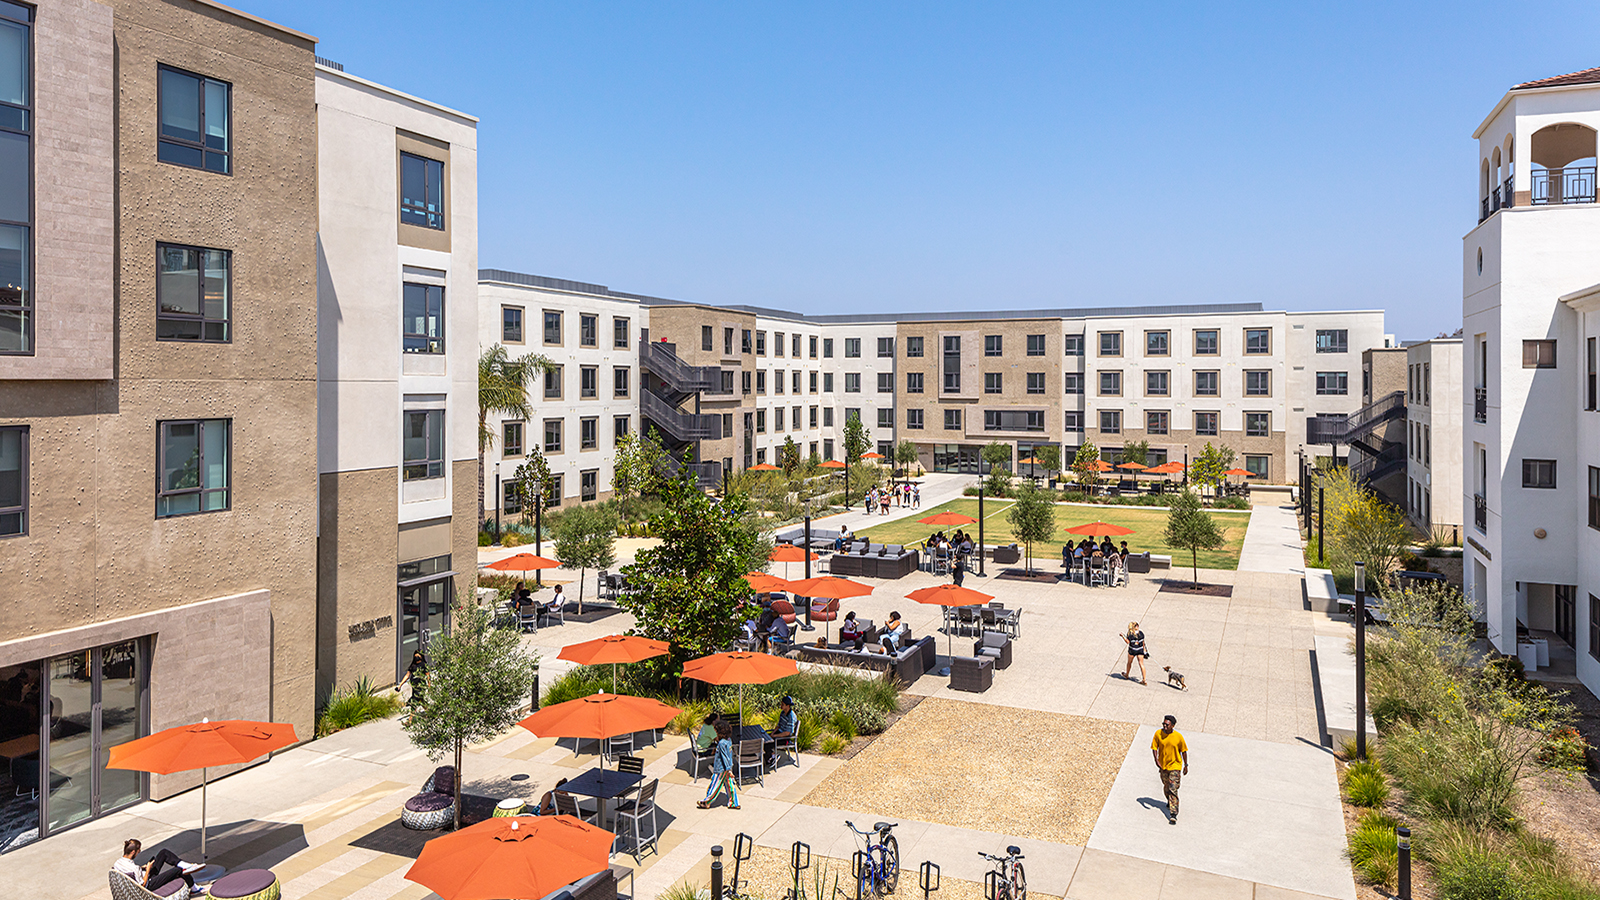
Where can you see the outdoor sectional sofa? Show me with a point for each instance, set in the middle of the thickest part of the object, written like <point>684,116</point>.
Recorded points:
<point>874,561</point>
<point>821,538</point>
<point>907,665</point>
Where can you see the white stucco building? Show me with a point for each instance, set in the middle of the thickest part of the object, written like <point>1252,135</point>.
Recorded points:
<point>1531,428</point>
<point>1433,435</point>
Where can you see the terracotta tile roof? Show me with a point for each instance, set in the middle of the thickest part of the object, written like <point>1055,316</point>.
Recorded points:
<point>1587,76</point>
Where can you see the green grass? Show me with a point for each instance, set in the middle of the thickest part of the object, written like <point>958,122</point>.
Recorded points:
<point>1148,527</point>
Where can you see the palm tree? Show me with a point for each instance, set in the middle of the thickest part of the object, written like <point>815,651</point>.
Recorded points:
<point>502,390</point>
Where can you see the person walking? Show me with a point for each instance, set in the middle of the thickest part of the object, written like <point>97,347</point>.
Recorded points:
<point>959,570</point>
<point>1171,754</point>
<point>1136,651</point>
<point>722,770</point>
<point>417,676</point>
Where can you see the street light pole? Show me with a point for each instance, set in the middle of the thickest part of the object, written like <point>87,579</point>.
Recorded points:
<point>538,533</point>
<point>980,526</point>
<point>1361,660</point>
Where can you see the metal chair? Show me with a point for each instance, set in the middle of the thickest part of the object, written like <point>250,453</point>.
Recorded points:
<point>1098,573</point>
<point>753,755</point>
<point>706,756</point>
<point>633,765</point>
<point>612,744</point>
<point>987,618</point>
<point>554,612</point>
<point>635,812</point>
<point>965,620</point>
<point>528,620</point>
<point>789,745</point>
<point>567,805</point>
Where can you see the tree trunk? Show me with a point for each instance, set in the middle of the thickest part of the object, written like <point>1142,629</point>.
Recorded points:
<point>458,785</point>
<point>583,574</point>
<point>1194,563</point>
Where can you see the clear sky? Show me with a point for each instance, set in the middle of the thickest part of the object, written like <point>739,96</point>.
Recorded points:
<point>832,157</point>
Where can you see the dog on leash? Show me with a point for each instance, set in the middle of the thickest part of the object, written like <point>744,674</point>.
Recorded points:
<point>1174,678</point>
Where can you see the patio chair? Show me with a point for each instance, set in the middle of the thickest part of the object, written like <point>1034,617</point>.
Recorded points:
<point>941,561</point>
<point>1099,573</point>
<point>435,806</point>
<point>528,620</point>
<point>567,805</point>
<point>965,620</point>
<point>701,757</point>
<point>1013,622</point>
<point>1119,576</point>
<point>640,811</point>
<point>125,888</point>
<point>753,755</point>
<point>612,745</point>
<point>733,719</point>
<point>602,588</point>
<point>988,619</point>
<point>824,610</point>
<point>787,745</point>
<point>996,646</point>
<point>971,673</point>
<point>554,611</point>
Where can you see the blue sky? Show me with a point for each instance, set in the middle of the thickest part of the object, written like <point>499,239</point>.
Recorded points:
<point>839,156</point>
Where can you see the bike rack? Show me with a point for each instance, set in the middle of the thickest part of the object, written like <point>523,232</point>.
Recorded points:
<point>928,878</point>
<point>743,844</point>
<point>991,885</point>
<point>796,863</point>
<point>858,870</point>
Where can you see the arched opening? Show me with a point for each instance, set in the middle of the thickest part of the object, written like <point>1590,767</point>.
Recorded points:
<point>1563,165</point>
<point>1485,205</point>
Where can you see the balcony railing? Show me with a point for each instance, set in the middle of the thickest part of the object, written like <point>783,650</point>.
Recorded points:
<point>1480,512</point>
<point>1498,199</point>
<point>1572,184</point>
<point>1480,404</point>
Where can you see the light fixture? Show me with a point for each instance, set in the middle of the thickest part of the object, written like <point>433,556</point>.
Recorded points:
<point>1361,576</point>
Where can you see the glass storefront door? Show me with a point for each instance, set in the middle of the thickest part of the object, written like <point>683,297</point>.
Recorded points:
<point>959,458</point>
<point>95,703</point>
<point>425,589</point>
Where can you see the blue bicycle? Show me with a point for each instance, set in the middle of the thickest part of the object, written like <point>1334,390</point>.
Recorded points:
<point>880,871</point>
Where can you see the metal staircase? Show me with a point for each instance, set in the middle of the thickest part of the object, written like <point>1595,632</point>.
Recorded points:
<point>668,382</point>
<point>1362,430</point>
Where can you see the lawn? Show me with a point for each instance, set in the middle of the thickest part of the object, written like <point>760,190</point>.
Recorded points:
<point>1148,526</point>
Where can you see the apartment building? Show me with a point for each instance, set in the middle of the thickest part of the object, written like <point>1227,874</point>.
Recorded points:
<point>158,389</point>
<point>1531,435</point>
<point>397,335</point>
<point>1433,419</point>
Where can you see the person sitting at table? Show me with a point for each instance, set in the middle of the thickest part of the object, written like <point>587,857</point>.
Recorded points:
<point>707,735</point>
<point>752,634</point>
<point>547,804</point>
<point>1123,551</point>
<point>788,726</point>
<point>1107,547</point>
<point>850,631</point>
<point>894,634</point>
<point>558,600</point>
<point>722,770</point>
<point>778,635</point>
<point>149,876</point>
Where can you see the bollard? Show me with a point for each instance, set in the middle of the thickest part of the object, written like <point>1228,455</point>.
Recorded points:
<point>534,705</point>
<point>799,864</point>
<point>742,846</point>
<point>858,870</point>
<point>928,878</point>
<point>1405,862</point>
<point>716,872</point>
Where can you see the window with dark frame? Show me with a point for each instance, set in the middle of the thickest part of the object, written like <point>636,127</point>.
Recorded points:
<point>1155,421</point>
<point>744,382</point>
<point>510,498</point>
<point>777,381</point>
<point>511,324</point>
<point>796,347</point>
<point>811,383</point>
<point>811,417</point>
<point>761,421</point>
<point>423,316</point>
<point>552,327</point>
<point>914,346</point>
<point>886,348</point>
<point>1072,421</point>
<point>992,382</point>
<point>1206,383</point>
<point>1594,626</point>
<point>1110,343</point>
<point>1593,371</point>
<point>1158,343</point>
<point>1073,382</point>
<point>992,345</point>
<point>193,293</point>
<point>1110,421</point>
<point>951,367</point>
<point>1072,344</point>
<point>1258,465</point>
<point>1333,340</point>
<point>1206,342</point>
<point>588,433</point>
<point>588,382</point>
<point>811,344</point>
<point>885,382</point>
<point>13,480</point>
<point>620,381</point>
<point>588,330</point>
<point>1035,382</point>
<point>422,447</point>
<point>1333,383</point>
<point>511,439</point>
<point>727,342</point>
<point>761,381</point>
<point>1012,420</point>
<point>827,382</point>
<point>1258,424</point>
<point>727,381</point>
<point>1258,383</point>
<point>914,382</point>
<point>745,344</point>
<point>1257,341</point>
<point>421,192</point>
<point>761,343</point>
<point>619,333</point>
<point>1205,423</point>
<point>952,420</point>
<point>552,435</point>
<point>554,498</point>
<point>914,419</point>
<point>886,417</point>
<point>795,382</point>
<point>1539,473</point>
<point>1111,384</point>
<point>1594,497</point>
<point>827,348</point>
<point>588,484</point>
<point>852,382</point>
<point>707,338</point>
<point>1157,384</point>
<point>195,128</point>
<point>16,179</point>
<point>1035,345</point>
<point>777,343</point>
<point>552,383</point>
<point>827,420</point>
<point>1539,354</point>
<point>193,468</point>
<point>852,348</point>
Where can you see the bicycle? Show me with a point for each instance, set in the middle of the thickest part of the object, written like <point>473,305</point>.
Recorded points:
<point>880,870</point>
<point>1009,882</point>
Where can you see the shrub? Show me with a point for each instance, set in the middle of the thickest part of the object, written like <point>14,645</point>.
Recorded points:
<point>485,539</point>
<point>1564,748</point>
<point>809,730</point>
<point>360,703</point>
<point>843,724</point>
<point>833,743</point>
<point>1365,785</point>
<point>1231,503</point>
<point>1455,770</point>
<point>1374,848</point>
<point>511,539</point>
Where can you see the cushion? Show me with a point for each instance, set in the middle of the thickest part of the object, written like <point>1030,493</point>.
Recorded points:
<point>893,549</point>
<point>444,780</point>
<point>171,888</point>
<point>243,883</point>
<point>432,801</point>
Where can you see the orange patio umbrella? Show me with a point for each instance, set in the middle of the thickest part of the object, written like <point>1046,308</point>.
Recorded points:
<point>613,649</point>
<point>523,562</point>
<point>600,716</point>
<point>1245,472</point>
<point>762,467</point>
<point>873,455</point>
<point>1132,466</point>
<point>788,553</point>
<point>949,595</point>
<point>519,856</point>
<point>201,746</point>
<point>1094,528</point>
<point>1102,465</point>
<point>828,587</point>
<point>947,518</point>
<point>740,667</point>
<point>831,464</point>
<point>762,583</point>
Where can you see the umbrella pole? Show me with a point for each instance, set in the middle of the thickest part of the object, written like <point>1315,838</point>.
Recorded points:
<point>613,678</point>
<point>203,855</point>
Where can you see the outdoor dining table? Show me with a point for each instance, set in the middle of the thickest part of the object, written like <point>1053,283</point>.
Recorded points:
<point>602,785</point>
<point>756,732</point>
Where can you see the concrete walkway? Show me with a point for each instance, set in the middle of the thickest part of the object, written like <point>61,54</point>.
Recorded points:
<point>1272,542</point>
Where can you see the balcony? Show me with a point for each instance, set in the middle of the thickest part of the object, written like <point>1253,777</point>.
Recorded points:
<point>1480,513</point>
<point>1499,198</point>
<point>1480,404</point>
<point>1570,184</point>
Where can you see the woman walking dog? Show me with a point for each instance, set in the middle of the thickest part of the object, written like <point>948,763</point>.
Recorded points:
<point>1136,650</point>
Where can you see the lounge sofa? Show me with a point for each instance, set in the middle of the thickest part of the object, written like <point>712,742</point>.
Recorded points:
<point>908,665</point>
<point>971,673</point>
<point>821,538</point>
<point>1139,563</point>
<point>995,645</point>
<point>1006,554</point>
<point>875,561</point>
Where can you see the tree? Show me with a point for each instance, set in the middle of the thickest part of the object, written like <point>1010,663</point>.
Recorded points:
<point>637,465</point>
<point>1362,526</point>
<point>1189,527</point>
<point>1033,518</point>
<point>477,678</point>
<point>857,440</point>
<point>534,483</point>
<point>689,589</point>
<point>905,455</point>
<point>1207,468</point>
<point>502,391</point>
<point>1049,456</point>
<point>586,538</point>
<point>1086,465</point>
<point>998,456</point>
<point>789,456</point>
<point>1136,451</point>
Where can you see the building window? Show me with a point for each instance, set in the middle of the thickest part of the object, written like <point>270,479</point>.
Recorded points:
<point>761,381</point>
<point>511,324</point>
<point>991,345</point>
<point>952,420</point>
<point>1333,340</point>
<point>16,179</point>
<point>795,382</point>
<point>852,382</point>
<point>1073,422</point>
<point>777,419</point>
<point>885,382</point>
<point>1539,354</point>
<point>914,419</point>
<point>761,343</point>
<point>1111,384</point>
<point>914,346</point>
<point>195,129</point>
<point>14,474</point>
<point>1110,343</point>
<point>423,315</point>
<point>886,348</point>
<point>194,467</point>
<point>827,419</point>
<point>991,382</point>
<point>1157,384</point>
<point>589,484</point>
<point>744,382</point>
<point>1012,420</point>
<point>1594,495</point>
<point>511,439</point>
<point>423,446</point>
<point>1035,382</point>
<point>588,330</point>
<point>952,364</point>
<point>510,498</point>
<point>421,192</point>
<point>588,382</point>
<point>1333,383</point>
<point>827,448</point>
<point>1258,383</point>
<point>795,417</point>
<point>777,343</point>
<point>619,333</point>
<point>1594,626</point>
<point>620,426</point>
<point>552,383</point>
<point>1205,423</point>
<point>796,348</point>
<point>555,495</point>
<point>1110,421</point>
<point>811,344</point>
<point>777,381</point>
<point>552,435</point>
<point>745,344</point>
<point>761,421</point>
<point>852,348</point>
<point>727,342</point>
<point>1074,382</point>
<point>1158,343</point>
<point>1590,385</point>
<point>193,288</point>
<point>588,433</point>
<point>827,348</point>
<point>827,382</point>
<point>811,417</point>
<point>811,383</point>
<point>1155,421</point>
<point>552,327</point>
<point>1205,383</point>
<point>619,381</point>
<point>913,382</point>
<point>1035,345</point>
<point>1258,424</point>
<point>707,338</point>
<point>1259,466</point>
<point>1257,341</point>
<point>727,424</point>
<point>1539,473</point>
<point>886,417</point>
<point>1206,342</point>
<point>1073,344</point>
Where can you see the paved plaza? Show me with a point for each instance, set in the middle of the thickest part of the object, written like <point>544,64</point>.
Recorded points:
<point>1261,815</point>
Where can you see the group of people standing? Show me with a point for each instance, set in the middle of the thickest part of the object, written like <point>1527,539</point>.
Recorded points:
<point>904,495</point>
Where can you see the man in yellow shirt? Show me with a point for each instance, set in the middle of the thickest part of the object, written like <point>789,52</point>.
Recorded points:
<point>1172,759</point>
